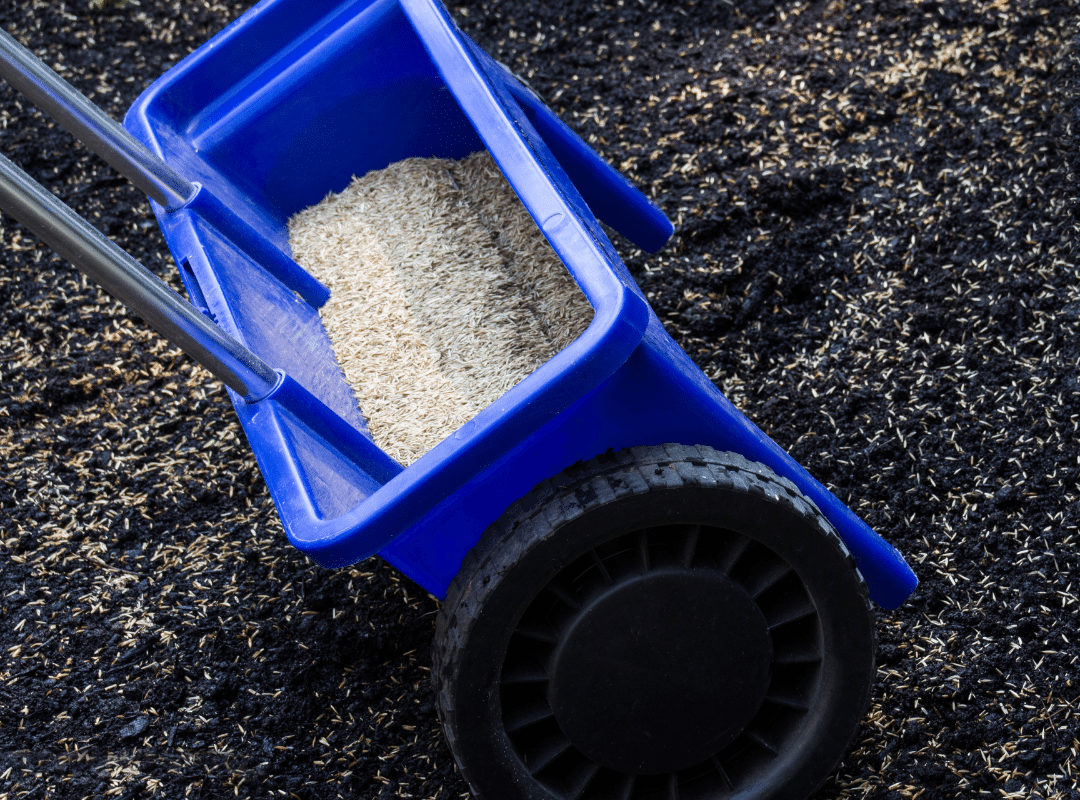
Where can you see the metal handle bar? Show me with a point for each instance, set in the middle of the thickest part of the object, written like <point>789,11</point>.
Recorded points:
<point>129,281</point>
<point>90,125</point>
<point>94,253</point>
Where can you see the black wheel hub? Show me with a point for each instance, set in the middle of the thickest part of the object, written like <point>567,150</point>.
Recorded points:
<point>661,670</point>
<point>675,655</point>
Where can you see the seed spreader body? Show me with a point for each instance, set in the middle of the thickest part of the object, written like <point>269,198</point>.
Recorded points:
<point>644,595</point>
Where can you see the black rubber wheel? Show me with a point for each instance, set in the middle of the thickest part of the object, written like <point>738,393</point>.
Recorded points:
<point>664,622</point>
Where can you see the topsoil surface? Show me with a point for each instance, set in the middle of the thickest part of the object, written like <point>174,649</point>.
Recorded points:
<point>873,258</point>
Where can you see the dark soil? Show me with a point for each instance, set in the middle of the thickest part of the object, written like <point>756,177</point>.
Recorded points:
<point>873,258</point>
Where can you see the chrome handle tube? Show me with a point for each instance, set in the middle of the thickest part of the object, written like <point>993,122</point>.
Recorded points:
<point>130,282</point>
<point>90,125</point>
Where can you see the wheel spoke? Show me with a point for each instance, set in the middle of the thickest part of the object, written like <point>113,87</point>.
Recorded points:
<point>794,659</point>
<point>723,774</point>
<point>787,702</point>
<point>761,741</point>
<point>689,547</point>
<point>626,791</point>
<point>793,617</point>
<point>731,558</point>
<point>564,595</point>
<point>523,718</point>
<point>673,786</point>
<point>538,633</point>
<point>643,549</point>
<point>548,753</point>
<point>600,566</point>
<point>583,783</point>
<point>771,581</point>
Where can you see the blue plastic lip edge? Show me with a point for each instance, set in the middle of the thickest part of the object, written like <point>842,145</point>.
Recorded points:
<point>621,316</point>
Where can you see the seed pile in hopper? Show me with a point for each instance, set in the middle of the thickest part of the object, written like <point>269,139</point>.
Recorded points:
<point>444,294</point>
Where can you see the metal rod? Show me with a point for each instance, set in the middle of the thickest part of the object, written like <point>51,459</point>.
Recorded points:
<point>90,125</point>
<point>130,282</point>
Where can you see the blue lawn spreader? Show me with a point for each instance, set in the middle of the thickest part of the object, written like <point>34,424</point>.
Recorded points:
<point>644,595</point>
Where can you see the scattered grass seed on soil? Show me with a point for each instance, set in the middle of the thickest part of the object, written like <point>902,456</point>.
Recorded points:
<point>881,273</point>
<point>444,294</point>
